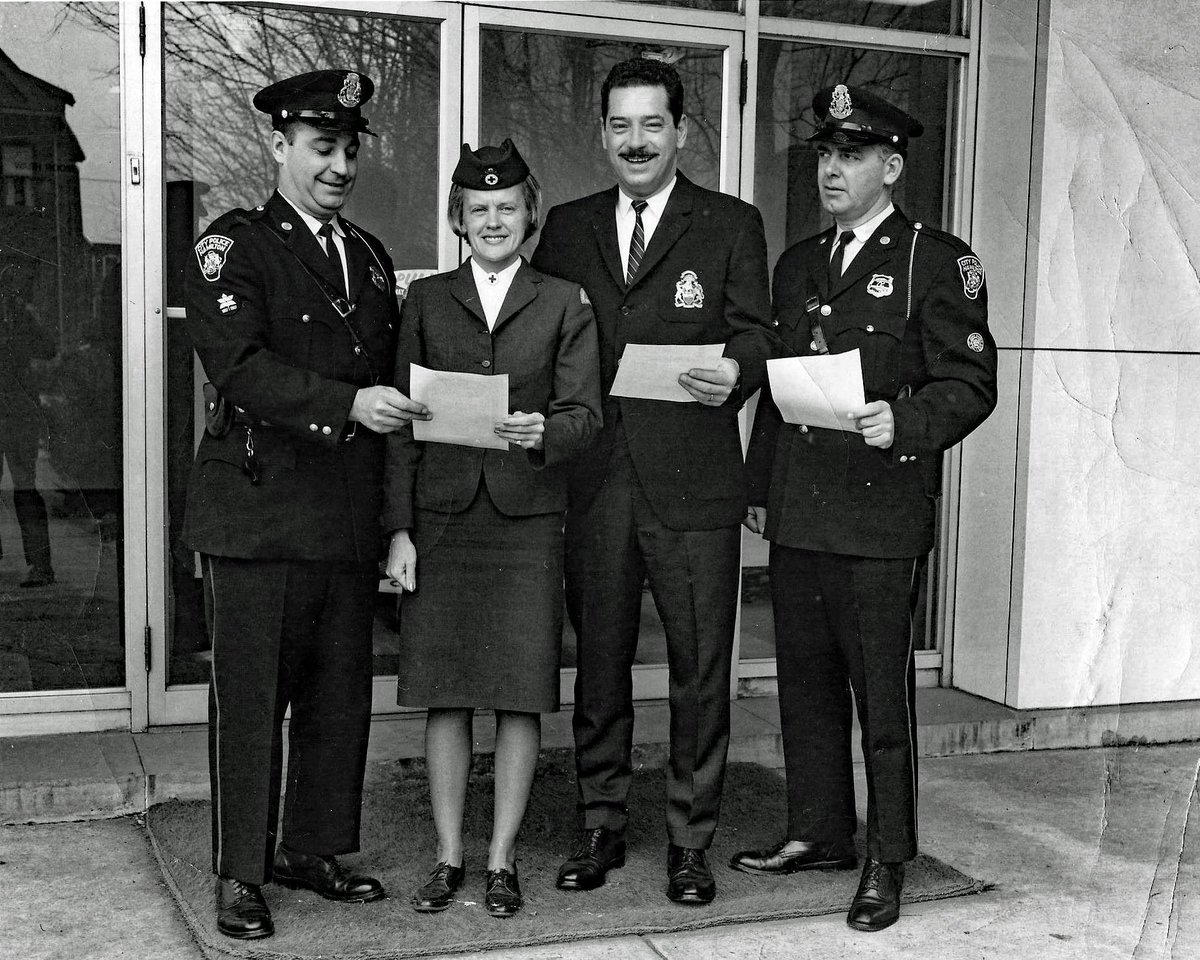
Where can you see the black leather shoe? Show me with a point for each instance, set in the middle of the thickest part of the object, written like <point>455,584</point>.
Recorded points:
<point>323,875</point>
<point>438,891</point>
<point>241,911</point>
<point>503,896</point>
<point>877,903</point>
<point>835,855</point>
<point>599,851</point>
<point>688,878</point>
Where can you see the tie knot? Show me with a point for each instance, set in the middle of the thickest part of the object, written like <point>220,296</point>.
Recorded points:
<point>325,231</point>
<point>845,237</point>
<point>639,206</point>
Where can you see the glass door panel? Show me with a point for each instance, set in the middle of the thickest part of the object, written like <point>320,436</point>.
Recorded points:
<point>61,484</point>
<point>216,156</point>
<point>542,88</point>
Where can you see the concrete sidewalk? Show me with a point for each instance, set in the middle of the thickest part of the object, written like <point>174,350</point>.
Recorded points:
<point>1094,853</point>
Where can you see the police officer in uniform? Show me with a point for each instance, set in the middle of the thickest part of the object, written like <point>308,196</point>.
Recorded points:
<point>292,311</point>
<point>849,514</point>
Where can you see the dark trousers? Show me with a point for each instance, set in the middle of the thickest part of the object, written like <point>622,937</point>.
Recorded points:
<point>19,447</point>
<point>611,547</point>
<point>286,634</point>
<point>842,629</point>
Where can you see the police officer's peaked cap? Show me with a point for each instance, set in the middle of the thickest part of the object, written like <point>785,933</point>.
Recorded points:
<point>848,114</point>
<point>490,168</point>
<point>326,99</point>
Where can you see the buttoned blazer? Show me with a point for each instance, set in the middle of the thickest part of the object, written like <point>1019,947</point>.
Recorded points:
<point>688,456</point>
<point>925,349</point>
<point>544,339</point>
<point>272,342</point>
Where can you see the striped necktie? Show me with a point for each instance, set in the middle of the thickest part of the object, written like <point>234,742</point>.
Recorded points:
<point>637,245</point>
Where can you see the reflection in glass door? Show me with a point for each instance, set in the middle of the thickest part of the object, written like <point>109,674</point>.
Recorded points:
<point>61,511</point>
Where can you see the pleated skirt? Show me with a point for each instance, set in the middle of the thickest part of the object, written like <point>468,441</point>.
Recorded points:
<point>484,626</point>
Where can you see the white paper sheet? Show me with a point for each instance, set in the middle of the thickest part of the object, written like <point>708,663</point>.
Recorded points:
<point>818,391</point>
<point>465,407</point>
<point>651,371</point>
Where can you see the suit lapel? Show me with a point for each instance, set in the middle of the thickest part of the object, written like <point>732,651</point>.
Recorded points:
<point>676,218</point>
<point>462,288</point>
<point>604,226</point>
<point>880,247</point>
<point>521,292</point>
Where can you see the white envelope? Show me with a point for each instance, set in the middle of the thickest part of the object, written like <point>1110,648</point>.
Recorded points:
<point>465,406</point>
<point>818,391</point>
<point>651,371</point>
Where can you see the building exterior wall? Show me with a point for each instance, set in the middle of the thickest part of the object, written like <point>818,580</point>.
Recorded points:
<point>1093,447</point>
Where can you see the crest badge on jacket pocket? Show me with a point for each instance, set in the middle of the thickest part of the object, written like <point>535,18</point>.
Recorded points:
<point>688,291</point>
<point>880,285</point>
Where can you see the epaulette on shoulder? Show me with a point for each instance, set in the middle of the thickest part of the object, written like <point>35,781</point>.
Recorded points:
<point>949,239</point>
<point>232,219</point>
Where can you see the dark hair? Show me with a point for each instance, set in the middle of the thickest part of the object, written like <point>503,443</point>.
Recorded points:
<point>531,193</point>
<point>643,72</point>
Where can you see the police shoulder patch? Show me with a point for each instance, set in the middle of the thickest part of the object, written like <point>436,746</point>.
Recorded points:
<point>971,270</point>
<point>211,252</point>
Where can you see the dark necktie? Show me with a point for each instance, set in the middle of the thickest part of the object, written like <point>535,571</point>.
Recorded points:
<point>637,245</point>
<point>839,257</point>
<point>325,232</point>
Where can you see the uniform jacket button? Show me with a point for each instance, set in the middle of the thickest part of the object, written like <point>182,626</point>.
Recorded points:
<point>486,363</point>
<point>327,430</point>
<point>813,346</point>
<point>803,428</point>
<point>903,459</point>
<point>306,319</point>
<point>625,310</point>
<point>870,328</point>
<point>826,309</point>
<point>913,458</point>
<point>312,426</point>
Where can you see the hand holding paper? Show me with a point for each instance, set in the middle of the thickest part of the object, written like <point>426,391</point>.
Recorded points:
<point>652,371</point>
<point>465,407</point>
<point>819,391</point>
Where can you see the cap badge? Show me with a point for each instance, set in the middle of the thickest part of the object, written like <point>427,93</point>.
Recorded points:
<point>378,278</point>
<point>880,285</point>
<point>971,270</point>
<point>688,291</point>
<point>975,342</point>
<point>211,252</point>
<point>840,106</point>
<point>351,93</point>
<point>491,178</point>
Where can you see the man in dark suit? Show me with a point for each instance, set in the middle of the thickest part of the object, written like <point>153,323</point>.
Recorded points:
<point>292,311</point>
<point>849,514</point>
<point>660,493</point>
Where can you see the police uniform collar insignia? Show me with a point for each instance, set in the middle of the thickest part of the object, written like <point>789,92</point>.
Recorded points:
<point>688,291</point>
<point>840,106</point>
<point>378,278</point>
<point>971,270</point>
<point>884,241</point>
<point>211,252</point>
<point>351,92</point>
<point>286,225</point>
<point>880,285</point>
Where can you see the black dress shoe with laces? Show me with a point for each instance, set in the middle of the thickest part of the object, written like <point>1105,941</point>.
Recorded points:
<point>437,893</point>
<point>599,850</point>
<point>503,895</point>
<point>876,905</point>
<point>786,857</point>
<point>324,875</point>
<point>689,880</point>
<point>241,911</point>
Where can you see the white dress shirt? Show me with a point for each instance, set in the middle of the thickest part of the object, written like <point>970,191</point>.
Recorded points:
<point>862,233</point>
<point>626,218</point>
<point>338,237</point>
<point>493,291</point>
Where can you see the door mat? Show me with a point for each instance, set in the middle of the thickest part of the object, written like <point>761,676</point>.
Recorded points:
<point>398,848</point>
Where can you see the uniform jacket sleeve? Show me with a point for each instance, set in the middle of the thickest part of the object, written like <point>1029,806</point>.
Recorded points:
<point>747,307</point>
<point>573,417</point>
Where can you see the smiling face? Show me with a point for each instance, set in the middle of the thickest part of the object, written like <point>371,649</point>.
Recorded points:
<point>641,140</point>
<point>854,180</point>
<point>495,222</point>
<point>317,168</point>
